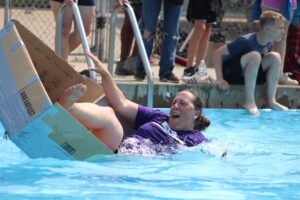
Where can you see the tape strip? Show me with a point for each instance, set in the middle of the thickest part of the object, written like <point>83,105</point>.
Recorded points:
<point>32,80</point>
<point>8,27</point>
<point>16,45</point>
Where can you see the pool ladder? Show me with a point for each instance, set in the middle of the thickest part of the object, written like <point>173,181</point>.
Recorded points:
<point>82,34</point>
<point>141,47</point>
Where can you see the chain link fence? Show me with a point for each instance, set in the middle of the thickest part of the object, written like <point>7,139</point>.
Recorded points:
<point>36,15</point>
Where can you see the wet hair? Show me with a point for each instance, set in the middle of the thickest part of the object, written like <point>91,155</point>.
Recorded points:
<point>270,18</point>
<point>201,123</point>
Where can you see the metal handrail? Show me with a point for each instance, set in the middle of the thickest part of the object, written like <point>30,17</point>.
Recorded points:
<point>140,44</point>
<point>82,34</point>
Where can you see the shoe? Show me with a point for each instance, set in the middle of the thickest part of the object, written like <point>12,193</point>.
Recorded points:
<point>139,76</point>
<point>121,71</point>
<point>169,78</point>
<point>130,64</point>
<point>85,73</point>
<point>199,77</point>
<point>190,71</point>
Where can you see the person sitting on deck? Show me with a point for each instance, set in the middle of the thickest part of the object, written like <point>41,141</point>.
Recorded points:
<point>249,60</point>
<point>181,128</point>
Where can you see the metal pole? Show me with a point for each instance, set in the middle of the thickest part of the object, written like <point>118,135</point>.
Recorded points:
<point>82,34</point>
<point>143,53</point>
<point>140,44</point>
<point>101,22</point>
<point>6,11</point>
<point>112,35</point>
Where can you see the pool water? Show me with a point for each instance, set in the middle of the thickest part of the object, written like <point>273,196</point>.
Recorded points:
<point>263,162</point>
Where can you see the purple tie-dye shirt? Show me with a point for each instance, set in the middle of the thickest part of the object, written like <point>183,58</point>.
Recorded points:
<point>153,124</point>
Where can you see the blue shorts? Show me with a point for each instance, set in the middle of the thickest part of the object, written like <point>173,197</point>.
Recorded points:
<point>233,73</point>
<point>81,2</point>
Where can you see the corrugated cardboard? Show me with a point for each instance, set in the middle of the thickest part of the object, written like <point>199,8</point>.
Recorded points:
<point>54,132</point>
<point>22,95</point>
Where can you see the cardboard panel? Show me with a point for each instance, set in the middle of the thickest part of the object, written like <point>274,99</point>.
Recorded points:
<point>23,99</point>
<point>35,99</point>
<point>56,74</point>
<point>57,134</point>
<point>22,95</point>
<point>19,60</point>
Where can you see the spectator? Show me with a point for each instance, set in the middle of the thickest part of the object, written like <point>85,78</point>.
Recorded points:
<point>248,60</point>
<point>150,14</point>
<point>288,8</point>
<point>71,40</point>
<point>202,14</point>
<point>126,65</point>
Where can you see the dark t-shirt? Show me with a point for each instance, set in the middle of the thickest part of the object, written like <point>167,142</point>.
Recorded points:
<point>153,124</point>
<point>232,69</point>
<point>245,44</point>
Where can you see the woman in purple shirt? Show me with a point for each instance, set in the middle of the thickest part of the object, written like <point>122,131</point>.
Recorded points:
<point>181,127</point>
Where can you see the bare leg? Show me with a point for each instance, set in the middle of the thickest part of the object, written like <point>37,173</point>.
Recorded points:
<point>87,14</point>
<point>66,27</point>
<point>271,63</point>
<point>101,121</point>
<point>250,63</point>
<point>199,29</point>
<point>203,44</point>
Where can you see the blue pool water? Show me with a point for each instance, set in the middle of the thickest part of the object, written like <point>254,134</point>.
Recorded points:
<point>263,163</point>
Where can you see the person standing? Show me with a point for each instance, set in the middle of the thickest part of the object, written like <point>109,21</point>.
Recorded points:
<point>171,16</point>
<point>202,14</point>
<point>126,65</point>
<point>71,40</point>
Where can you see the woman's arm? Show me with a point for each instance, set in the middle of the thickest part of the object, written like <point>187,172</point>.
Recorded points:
<point>115,97</point>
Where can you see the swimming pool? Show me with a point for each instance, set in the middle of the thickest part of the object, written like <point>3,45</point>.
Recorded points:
<point>263,163</point>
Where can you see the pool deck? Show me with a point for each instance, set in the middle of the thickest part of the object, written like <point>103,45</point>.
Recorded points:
<point>211,95</point>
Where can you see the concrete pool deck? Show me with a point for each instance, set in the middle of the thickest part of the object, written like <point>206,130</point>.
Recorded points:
<point>212,97</point>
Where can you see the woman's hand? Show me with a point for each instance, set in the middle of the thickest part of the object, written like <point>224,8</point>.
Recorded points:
<point>99,67</point>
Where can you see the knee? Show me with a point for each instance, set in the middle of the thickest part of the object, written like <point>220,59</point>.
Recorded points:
<point>200,27</point>
<point>109,111</point>
<point>207,28</point>
<point>253,58</point>
<point>147,34</point>
<point>275,56</point>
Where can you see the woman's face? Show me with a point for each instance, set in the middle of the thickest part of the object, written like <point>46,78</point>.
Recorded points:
<point>182,112</point>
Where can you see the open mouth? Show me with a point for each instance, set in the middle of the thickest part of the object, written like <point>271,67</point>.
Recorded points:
<point>175,115</point>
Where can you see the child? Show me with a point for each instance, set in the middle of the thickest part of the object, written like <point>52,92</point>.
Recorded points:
<point>249,60</point>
